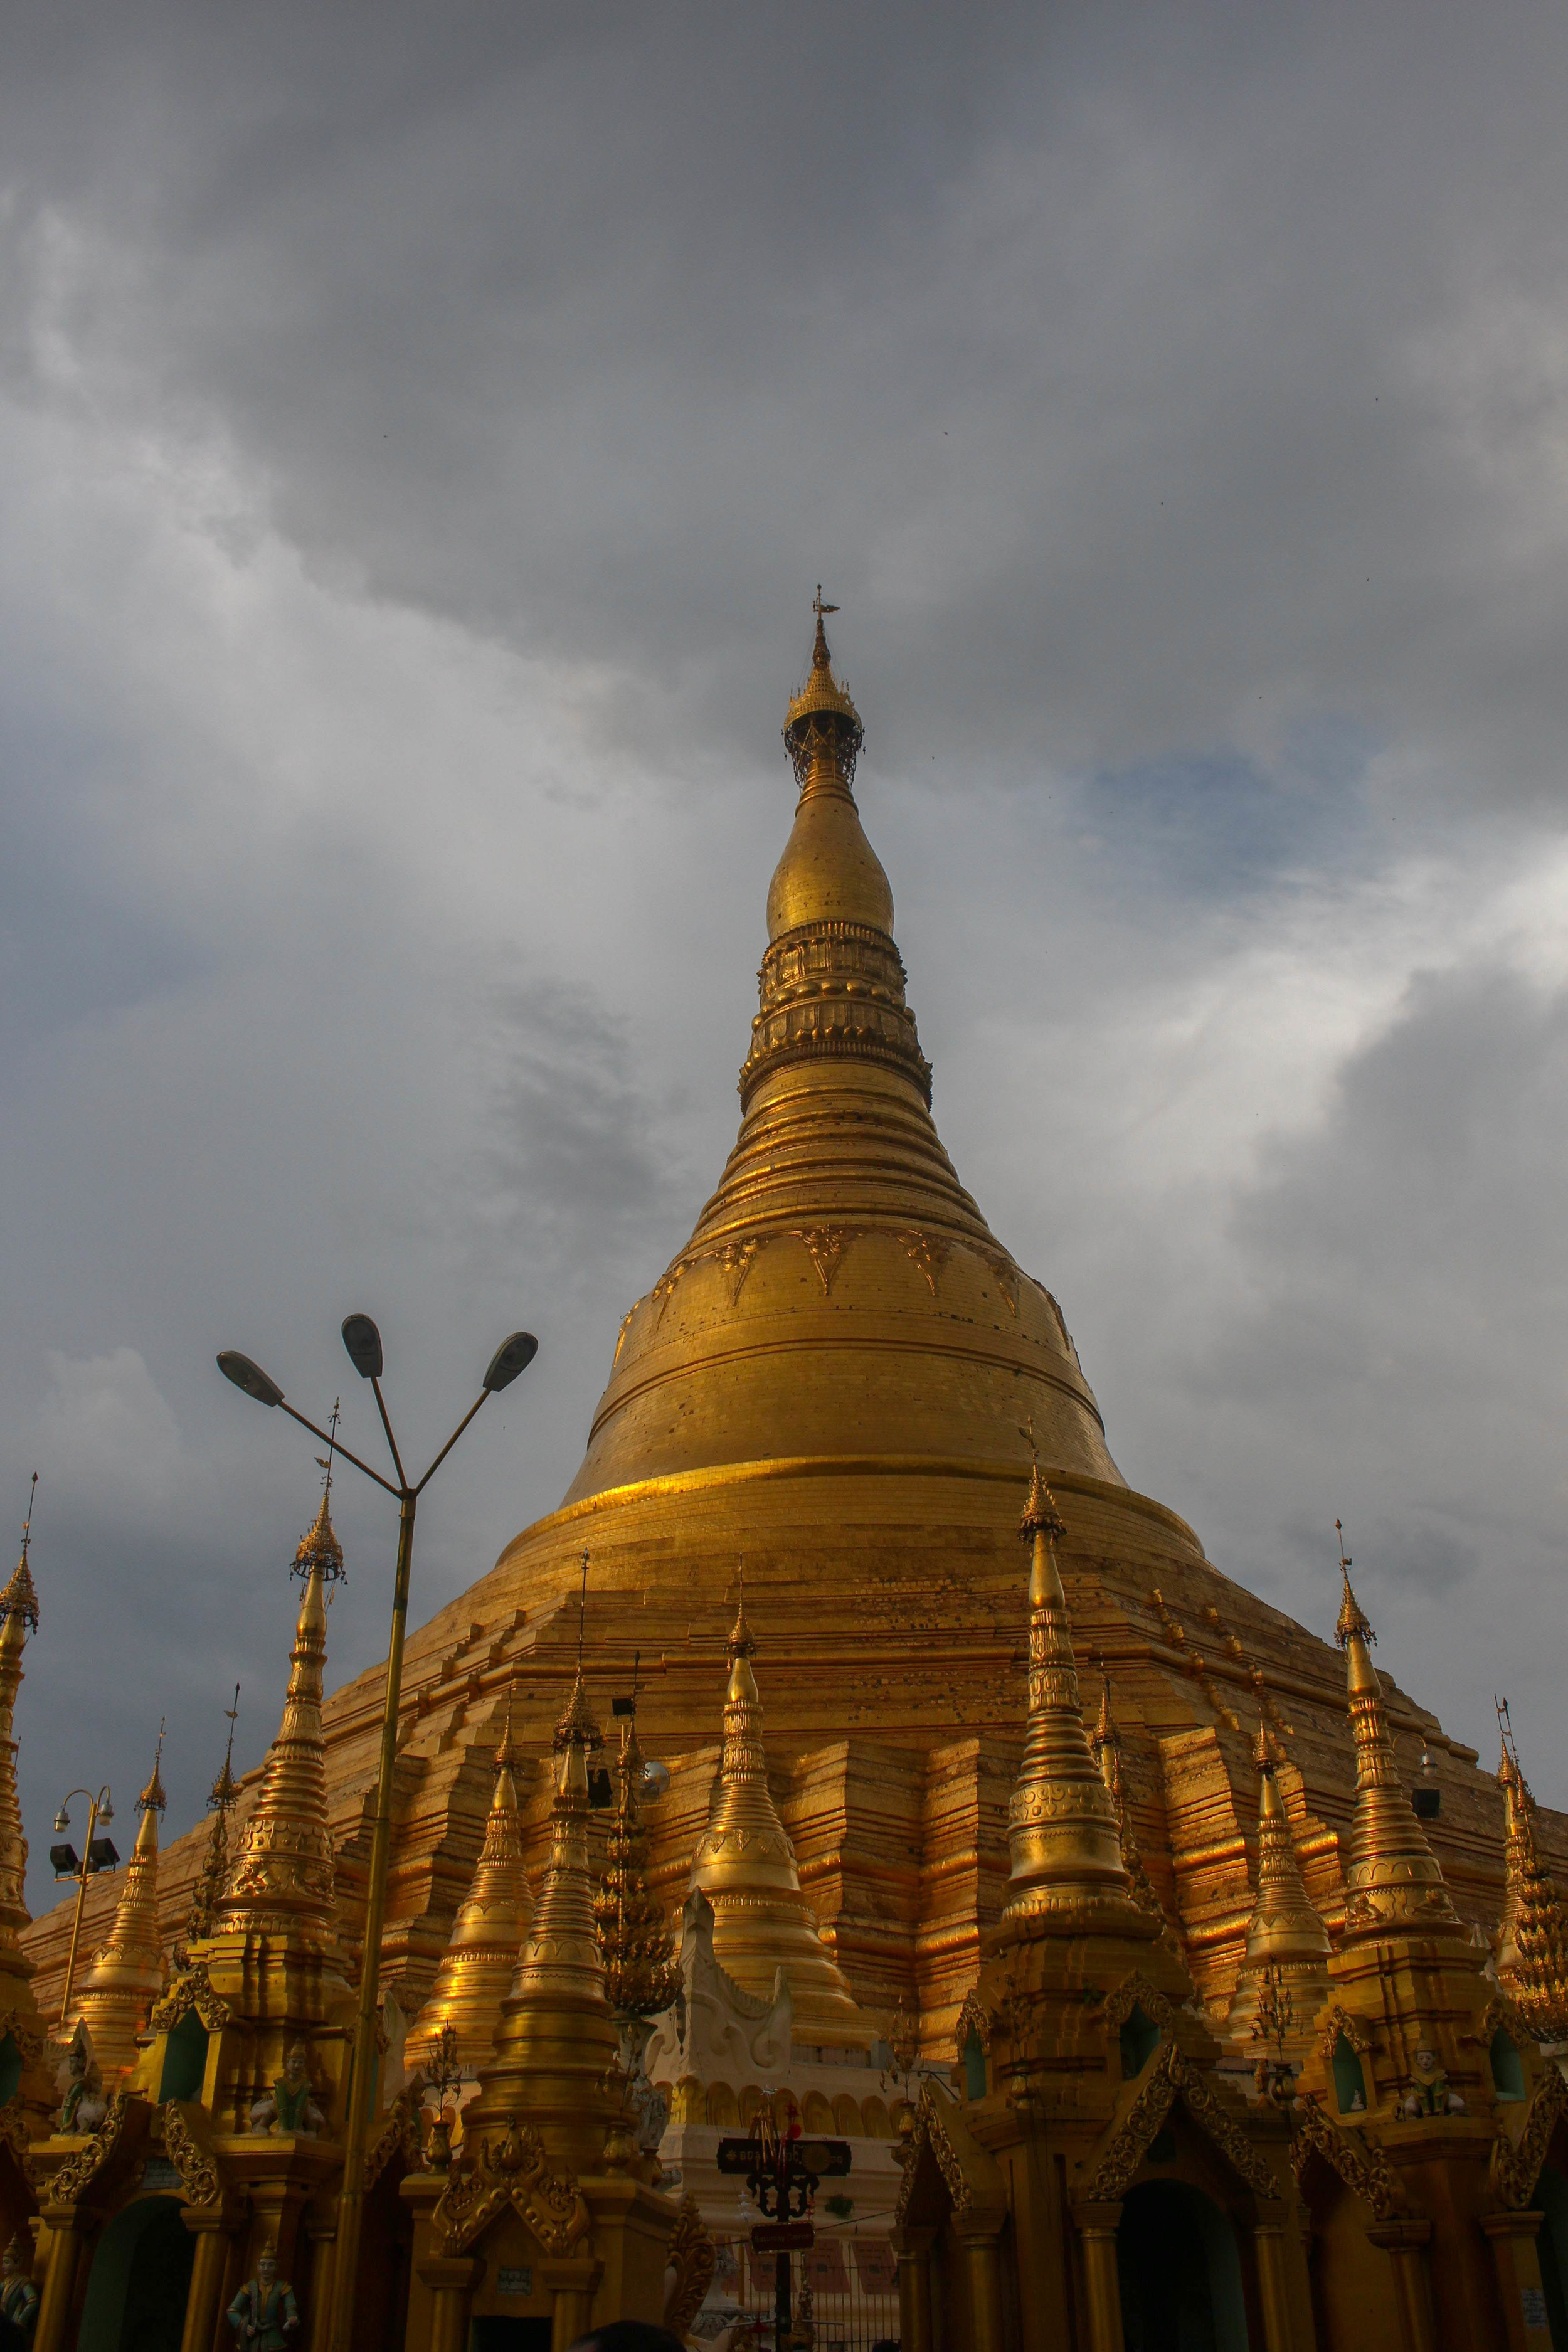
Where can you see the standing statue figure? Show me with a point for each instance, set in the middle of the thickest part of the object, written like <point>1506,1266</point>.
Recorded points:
<point>264,2314</point>
<point>288,2106</point>
<point>18,2295</point>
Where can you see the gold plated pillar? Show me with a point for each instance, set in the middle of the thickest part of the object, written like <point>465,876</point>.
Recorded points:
<point>1102,2289</point>
<point>1405,2243</point>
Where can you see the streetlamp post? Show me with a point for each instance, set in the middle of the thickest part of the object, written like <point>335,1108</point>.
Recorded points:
<point>99,1854</point>
<point>363,1341</point>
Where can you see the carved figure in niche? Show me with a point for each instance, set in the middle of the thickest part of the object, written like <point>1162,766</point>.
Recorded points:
<point>288,2106</point>
<point>1429,2094</point>
<point>84,2106</point>
<point>18,2295</point>
<point>264,2314</point>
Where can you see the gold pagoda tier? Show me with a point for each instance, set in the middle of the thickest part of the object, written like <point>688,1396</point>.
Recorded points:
<point>745,1865</point>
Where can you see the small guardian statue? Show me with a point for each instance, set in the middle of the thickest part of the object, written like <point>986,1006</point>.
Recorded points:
<point>264,2314</point>
<point>288,2106</point>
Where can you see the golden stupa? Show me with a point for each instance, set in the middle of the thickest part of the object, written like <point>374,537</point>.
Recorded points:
<point>834,1379</point>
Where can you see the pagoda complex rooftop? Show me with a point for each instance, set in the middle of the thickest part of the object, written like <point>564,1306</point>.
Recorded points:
<point>840,1377</point>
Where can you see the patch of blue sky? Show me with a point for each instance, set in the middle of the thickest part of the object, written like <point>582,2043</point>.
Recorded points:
<point>1226,823</point>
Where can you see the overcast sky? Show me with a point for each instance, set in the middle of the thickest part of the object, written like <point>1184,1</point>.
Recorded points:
<point>421,432</point>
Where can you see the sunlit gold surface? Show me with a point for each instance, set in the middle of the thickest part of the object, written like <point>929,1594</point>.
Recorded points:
<point>476,1970</point>
<point>745,1865</point>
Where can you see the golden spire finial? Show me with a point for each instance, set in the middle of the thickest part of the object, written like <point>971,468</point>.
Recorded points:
<point>1041,1516</point>
<point>19,1601</point>
<point>1352,1619</point>
<point>741,1644</point>
<point>1532,1936</point>
<point>576,1727</point>
<point>823,730</point>
<point>153,1800</point>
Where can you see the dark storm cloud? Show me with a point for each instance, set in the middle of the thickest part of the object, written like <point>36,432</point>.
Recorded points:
<point>420,433</point>
<point>1179,373</point>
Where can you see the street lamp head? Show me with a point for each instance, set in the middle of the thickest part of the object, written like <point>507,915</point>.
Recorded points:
<point>106,1811</point>
<point>249,1377</point>
<point>62,1822</point>
<point>363,1341</point>
<point>513,1356</point>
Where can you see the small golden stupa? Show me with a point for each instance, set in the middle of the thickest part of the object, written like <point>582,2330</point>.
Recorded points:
<point>555,2044</point>
<point>745,1865</point>
<point>126,1975</point>
<point>1288,1945</point>
<point>476,1970</point>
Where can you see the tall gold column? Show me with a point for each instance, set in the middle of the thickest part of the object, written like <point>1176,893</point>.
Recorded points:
<point>1405,2243</point>
<point>1513,2244</point>
<point>1279,2328</point>
<point>69,2235</point>
<point>913,2249</point>
<point>204,2303</point>
<point>1102,2288</point>
<point>983,2260</point>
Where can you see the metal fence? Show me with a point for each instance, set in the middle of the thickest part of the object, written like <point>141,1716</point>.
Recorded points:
<point>846,2286</point>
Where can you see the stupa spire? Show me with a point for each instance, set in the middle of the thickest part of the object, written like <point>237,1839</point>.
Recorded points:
<point>283,1873</point>
<point>19,1618</point>
<point>1288,1948</point>
<point>221,1800</point>
<point>552,2049</point>
<point>641,1971</point>
<point>1533,1939</point>
<point>126,1975</point>
<point>1062,1827</point>
<point>1393,1880</point>
<point>476,1970</point>
<point>745,1865</point>
<point>1105,1744</point>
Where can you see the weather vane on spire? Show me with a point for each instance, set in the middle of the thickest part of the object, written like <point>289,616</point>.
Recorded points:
<point>818,607</point>
<point>27,1522</point>
<point>324,1461</point>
